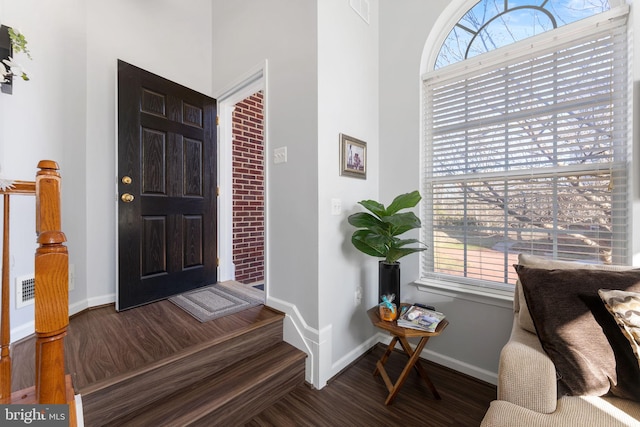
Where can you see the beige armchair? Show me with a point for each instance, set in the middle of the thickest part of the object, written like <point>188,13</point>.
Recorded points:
<point>527,383</point>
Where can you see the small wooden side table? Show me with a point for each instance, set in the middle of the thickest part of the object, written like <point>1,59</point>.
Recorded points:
<point>402,334</point>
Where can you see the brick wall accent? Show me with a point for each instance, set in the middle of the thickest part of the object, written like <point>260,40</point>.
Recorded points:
<point>248,189</point>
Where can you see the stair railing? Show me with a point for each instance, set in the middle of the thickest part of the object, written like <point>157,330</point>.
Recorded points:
<point>51,296</point>
<point>23,188</point>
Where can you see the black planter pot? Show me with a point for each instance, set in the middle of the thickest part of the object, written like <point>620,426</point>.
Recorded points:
<point>389,280</point>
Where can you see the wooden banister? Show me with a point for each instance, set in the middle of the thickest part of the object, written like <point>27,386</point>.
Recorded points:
<point>17,188</point>
<point>51,287</point>
<point>52,316</point>
<point>21,187</point>
<point>51,296</point>
<point>48,217</point>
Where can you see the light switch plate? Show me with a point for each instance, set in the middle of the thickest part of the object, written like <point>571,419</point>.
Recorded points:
<point>336,206</point>
<point>280,155</point>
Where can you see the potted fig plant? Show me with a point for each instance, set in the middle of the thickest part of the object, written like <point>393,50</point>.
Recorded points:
<point>377,235</point>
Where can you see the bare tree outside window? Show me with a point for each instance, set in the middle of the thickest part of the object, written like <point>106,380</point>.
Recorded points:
<point>492,24</point>
<point>528,156</point>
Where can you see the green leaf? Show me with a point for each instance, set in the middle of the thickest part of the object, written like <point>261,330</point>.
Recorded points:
<point>396,253</point>
<point>399,243</point>
<point>402,222</point>
<point>368,243</point>
<point>18,42</point>
<point>375,207</point>
<point>404,201</point>
<point>364,220</point>
<point>377,231</point>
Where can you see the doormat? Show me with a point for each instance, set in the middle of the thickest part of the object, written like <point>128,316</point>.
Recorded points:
<point>213,301</point>
<point>260,286</point>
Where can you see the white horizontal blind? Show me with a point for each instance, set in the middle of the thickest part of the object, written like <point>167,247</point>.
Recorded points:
<point>528,156</point>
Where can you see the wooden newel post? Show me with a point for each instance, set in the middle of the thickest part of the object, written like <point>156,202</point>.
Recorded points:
<point>48,217</point>
<point>51,288</point>
<point>52,316</point>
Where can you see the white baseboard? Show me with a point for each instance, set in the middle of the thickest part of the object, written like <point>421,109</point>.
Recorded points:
<point>353,355</point>
<point>450,362</point>
<point>465,368</point>
<point>29,328</point>
<point>317,345</point>
<point>23,331</point>
<point>79,306</point>
<point>299,334</point>
<point>79,411</point>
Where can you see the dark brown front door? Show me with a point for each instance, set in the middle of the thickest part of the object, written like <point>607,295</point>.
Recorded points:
<point>166,188</point>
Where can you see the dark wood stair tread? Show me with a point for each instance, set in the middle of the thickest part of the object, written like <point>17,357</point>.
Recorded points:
<point>257,327</point>
<point>225,397</point>
<point>126,393</point>
<point>157,365</point>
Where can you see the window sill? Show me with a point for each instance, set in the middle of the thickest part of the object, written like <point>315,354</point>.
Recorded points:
<point>496,297</point>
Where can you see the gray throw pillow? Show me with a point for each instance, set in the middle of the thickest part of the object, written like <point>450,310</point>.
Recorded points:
<point>591,355</point>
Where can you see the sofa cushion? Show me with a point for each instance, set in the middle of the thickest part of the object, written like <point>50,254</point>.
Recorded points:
<point>591,355</point>
<point>625,309</point>
<point>526,375</point>
<point>519,301</point>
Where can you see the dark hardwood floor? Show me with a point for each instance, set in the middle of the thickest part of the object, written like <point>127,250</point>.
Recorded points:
<point>102,343</point>
<point>113,343</point>
<point>356,398</point>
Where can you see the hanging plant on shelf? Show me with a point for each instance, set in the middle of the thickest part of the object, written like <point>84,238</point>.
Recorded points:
<point>12,42</point>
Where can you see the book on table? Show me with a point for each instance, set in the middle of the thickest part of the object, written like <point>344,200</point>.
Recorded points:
<point>420,318</point>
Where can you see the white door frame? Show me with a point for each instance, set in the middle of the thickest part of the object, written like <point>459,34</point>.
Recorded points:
<point>251,83</point>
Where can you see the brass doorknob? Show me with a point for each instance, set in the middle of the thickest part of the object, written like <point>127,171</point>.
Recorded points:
<point>126,180</point>
<point>127,198</point>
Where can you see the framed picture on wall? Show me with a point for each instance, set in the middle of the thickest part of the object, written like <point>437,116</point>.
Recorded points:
<point>353,157</point>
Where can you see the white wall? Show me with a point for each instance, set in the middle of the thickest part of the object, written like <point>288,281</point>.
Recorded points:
<point>324,76</point>
<point>479,326</point>
<point>171,39</point>
<point>67,113</point>
<point>281,37</point>
<point>404,29</point>
<point>347,103</point>
<point>45,119</point>
<point>282,33</point>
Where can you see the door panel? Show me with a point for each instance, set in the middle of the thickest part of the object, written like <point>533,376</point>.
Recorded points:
<point>167,146</point>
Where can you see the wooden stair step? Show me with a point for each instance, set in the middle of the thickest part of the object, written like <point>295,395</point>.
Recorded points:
<point>229,397</point>
<point>128,393</point>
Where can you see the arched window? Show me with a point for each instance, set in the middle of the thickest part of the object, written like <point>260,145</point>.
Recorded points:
<point>492,24</point>
<point>526,141</point>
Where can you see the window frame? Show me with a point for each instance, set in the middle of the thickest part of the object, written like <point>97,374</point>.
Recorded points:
<point>521,49</point>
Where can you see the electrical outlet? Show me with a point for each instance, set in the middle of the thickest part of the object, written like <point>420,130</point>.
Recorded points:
<point>358,296</point>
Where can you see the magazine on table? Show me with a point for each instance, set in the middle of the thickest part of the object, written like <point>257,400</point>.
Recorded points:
<point>420,318</point>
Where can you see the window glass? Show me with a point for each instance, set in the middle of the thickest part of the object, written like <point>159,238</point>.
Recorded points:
<point>528,155</point>
<point>492,24</point>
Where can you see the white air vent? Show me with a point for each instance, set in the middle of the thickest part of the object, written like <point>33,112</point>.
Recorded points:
<point>25,290</point>
<point>362,8</point>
